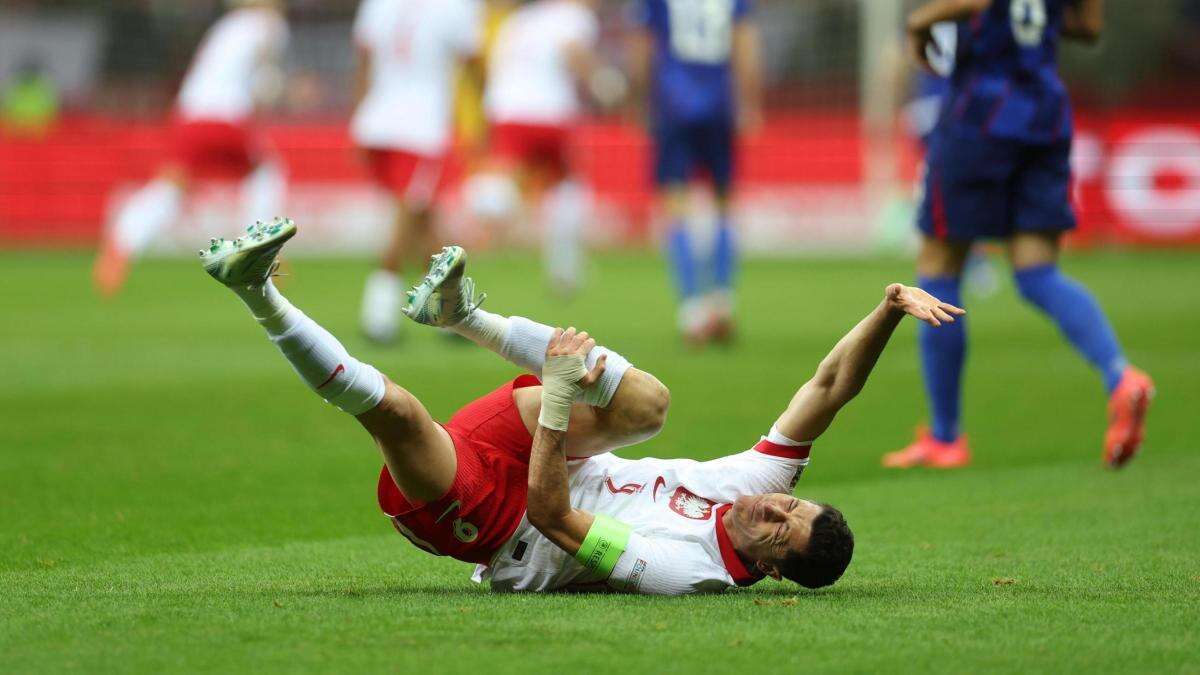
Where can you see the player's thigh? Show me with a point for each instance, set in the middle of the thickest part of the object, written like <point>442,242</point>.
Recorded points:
<point>965,194</point>
<point>1041,193</point>
<point>417,450</point>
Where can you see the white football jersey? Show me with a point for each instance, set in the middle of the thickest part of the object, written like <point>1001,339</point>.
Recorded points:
<point>220,83</point>
<point>679,544</point>
<point>415,46</point>
<point>529,79</point>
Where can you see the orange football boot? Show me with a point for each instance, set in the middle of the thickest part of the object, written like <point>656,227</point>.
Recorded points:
<point>1127,417</point>
<point>926,450</point>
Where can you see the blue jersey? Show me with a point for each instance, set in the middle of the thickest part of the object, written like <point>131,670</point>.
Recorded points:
<point>693,42</point>
<point>1005,83</point>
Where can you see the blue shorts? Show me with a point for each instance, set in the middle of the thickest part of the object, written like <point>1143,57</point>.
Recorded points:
<point>682,149</point>
<point>977,187</point>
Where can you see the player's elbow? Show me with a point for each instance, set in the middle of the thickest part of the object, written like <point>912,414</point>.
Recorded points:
<point>543,516</point>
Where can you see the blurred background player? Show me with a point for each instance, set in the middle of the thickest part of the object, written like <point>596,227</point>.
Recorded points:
<point>928,90</point>
<point>235,72</point>
<point>999,167</point>
<point>695,64</point>
<point>408,54</point>
<point>542,56</point>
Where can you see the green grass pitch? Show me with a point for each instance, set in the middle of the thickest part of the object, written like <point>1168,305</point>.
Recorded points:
<point>173,499</point>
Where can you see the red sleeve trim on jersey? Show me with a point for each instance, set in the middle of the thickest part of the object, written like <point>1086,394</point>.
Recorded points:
<point>742,576</point>
<point>788,451</point>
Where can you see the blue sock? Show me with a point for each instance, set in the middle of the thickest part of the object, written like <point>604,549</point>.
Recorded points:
<point>1078,316</point>
<point>683,259</point>
<point>724,260</point>
<point>943,352</point>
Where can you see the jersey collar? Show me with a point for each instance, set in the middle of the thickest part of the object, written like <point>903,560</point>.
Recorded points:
<point>742,576</point>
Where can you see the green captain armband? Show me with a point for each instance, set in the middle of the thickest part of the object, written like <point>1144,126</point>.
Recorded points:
<point>603,545</point>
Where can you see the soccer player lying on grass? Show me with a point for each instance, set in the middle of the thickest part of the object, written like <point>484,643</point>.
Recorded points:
<point>542,505</point>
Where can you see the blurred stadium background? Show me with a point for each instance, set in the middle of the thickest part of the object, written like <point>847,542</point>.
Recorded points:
<point>87,90</point>
<point>173,500</point>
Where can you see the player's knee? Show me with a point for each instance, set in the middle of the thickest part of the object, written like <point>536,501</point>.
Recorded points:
<point>652,414</point>
<point>399,410</point>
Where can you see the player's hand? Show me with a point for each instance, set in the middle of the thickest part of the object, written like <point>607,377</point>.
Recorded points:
<point>918,303</point>
<point>573,343</point>
<point>920,41</point>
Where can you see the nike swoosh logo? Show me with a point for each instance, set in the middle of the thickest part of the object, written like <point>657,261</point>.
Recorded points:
<point>453,505</point>
<point>627,489</point>
<point>659,482</point>
<point>336,371</point>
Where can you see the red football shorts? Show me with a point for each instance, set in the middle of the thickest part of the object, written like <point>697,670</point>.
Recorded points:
<point>213,149</point>
<point>488,497</point>
<point>541,147</point>
<point>415,179</point>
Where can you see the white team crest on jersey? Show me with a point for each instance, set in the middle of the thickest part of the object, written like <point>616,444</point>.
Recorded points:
<point>689,505</point>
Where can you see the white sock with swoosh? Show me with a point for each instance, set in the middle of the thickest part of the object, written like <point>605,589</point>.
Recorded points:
<point>315,354</point>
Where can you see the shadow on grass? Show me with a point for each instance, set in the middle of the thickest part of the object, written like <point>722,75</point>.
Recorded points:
<point>770,594</point>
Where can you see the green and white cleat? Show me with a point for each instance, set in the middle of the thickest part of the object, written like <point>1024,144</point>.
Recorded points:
<point>248,260</point>
<point>444,297</point>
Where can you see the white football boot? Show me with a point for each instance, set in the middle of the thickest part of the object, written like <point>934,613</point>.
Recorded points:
<point>248,260</point>
<point>444,297</point>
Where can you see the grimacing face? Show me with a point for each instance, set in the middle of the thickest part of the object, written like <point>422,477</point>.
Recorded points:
<point>770,526</point>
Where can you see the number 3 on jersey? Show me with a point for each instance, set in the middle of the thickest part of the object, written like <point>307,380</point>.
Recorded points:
<point>1028,19</point>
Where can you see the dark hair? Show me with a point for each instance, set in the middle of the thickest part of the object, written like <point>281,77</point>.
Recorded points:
<point>827,555</point>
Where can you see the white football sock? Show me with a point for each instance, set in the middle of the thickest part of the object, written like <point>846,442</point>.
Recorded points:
<point>320,360</point>
<point>381,304</point>
<point>148,212</point>
<point>485,329</point>
<point>565,211</point>
<point>264,192</point>
<point>775,436</point>
<point>523,342</point>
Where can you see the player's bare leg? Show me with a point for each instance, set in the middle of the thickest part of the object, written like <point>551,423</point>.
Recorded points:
<point>146,213</point>
<point>1079,317</point>
<point>565,206</point>
<point>940,265</point>
<point>418,452</point>
<point>410,243</point>
<point>264,190</point>
<point>636,413</point>
<point>625,406</point>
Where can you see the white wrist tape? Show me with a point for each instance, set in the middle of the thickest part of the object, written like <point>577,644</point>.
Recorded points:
<point>560,386</point>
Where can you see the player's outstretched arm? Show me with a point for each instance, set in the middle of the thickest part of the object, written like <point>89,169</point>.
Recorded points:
<point>549,502</point>
<point>844,371</point>
<point>1083,20</point>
